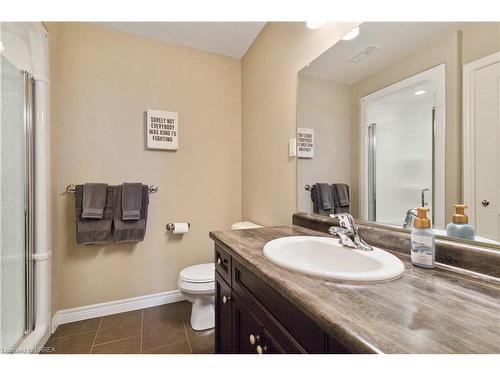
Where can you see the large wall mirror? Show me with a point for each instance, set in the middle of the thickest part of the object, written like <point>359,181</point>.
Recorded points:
<point>402,115</point>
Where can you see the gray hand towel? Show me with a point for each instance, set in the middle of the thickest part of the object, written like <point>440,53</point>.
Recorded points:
<point>317,197</point>
<point>341,198</point>
<point>131,201</point>
<point>326,196</point>
<point>314,198</point>
<point>93,231</point>
<point>130,230</point>
<point>94,199</point>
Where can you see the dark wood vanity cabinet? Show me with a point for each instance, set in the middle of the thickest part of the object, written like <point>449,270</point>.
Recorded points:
<point>249,334</point>
<point>223,316</point>
<point>252,317</point>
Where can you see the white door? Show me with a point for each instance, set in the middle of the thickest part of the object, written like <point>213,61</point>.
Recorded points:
<point>487,146</point>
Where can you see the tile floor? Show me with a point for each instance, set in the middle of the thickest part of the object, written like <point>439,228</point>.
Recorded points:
<point>157,330</point>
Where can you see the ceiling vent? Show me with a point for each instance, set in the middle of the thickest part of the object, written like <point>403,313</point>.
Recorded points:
<point>369,50</point>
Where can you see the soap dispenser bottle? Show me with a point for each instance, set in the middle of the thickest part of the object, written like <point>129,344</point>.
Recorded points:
<point>423,250</point>
<point>459,226</point>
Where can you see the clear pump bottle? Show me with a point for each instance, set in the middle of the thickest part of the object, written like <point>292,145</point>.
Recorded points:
<point>423,249</point>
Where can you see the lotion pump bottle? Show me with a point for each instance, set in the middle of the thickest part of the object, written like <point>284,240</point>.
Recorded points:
<point>460,227</point>
<point>423,250</point>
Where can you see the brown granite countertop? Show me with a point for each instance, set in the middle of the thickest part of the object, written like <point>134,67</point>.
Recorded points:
<point>424,311</point>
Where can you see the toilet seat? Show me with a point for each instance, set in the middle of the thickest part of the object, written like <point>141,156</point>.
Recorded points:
<point>245,225</point>
<point>198,279</point>
<point>197,288</point>
<point>199,273</point>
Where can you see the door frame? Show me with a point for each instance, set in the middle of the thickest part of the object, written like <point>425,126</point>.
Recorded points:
<point>469,130</point>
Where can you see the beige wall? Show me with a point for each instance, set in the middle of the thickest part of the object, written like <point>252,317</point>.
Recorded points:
<point>102,82</point>
<point>324,106</point>
<point>480,40</point>
<point>269,83</point>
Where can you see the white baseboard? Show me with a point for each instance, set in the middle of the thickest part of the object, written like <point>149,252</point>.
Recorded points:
<point>114,307</point>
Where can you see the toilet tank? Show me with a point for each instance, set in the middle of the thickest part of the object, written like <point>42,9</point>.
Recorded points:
<point>245,225</point>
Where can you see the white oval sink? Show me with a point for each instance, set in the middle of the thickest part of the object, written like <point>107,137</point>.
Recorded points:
<point>326,258</point>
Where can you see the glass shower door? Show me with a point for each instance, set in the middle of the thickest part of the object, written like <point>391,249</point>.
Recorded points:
<point>15,214</point>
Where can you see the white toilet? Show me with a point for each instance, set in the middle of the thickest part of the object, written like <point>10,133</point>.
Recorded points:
<point>197,283</point>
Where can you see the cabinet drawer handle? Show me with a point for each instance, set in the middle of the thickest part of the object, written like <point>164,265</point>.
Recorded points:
<point>261,349</point>
<point>254,339</point>
<point>220,261</point>
<point>225,299</point>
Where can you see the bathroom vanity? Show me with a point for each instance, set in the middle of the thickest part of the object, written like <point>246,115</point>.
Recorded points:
<point>263,308</point>
<point>252,317</point>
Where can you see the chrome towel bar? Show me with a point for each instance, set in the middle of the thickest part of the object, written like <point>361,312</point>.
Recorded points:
<point>71,189</point>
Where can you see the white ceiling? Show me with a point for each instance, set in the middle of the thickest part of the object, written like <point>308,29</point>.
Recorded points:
<point>225,38</point>
<point>395,39</point>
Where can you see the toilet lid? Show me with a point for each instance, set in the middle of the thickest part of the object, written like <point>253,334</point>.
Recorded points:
<point>245,225</point>
<point>200,273</point>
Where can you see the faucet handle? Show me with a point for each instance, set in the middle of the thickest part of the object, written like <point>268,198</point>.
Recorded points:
<point>336,231</point>
<point>343,234</point>
<point>348,232</point>
<point>346,221</point>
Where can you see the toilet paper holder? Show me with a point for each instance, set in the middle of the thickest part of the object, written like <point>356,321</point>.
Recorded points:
<point>171,226</point>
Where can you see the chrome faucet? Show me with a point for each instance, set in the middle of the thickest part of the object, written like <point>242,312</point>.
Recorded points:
<point>411,214</point>
<point>348,232</point>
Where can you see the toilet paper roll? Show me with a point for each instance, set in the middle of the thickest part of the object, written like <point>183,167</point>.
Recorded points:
<point>180,228</point>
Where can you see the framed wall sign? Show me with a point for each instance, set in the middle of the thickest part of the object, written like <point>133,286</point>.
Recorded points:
<point>305,143</point>
<point>162,130</point>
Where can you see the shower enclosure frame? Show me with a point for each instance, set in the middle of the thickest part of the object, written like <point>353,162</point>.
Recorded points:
<point>28,91</point>
<point>437,76</point>
<point>27,44</point>
<point>372,172</point>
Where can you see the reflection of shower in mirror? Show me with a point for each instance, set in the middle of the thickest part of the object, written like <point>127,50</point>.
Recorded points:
<point>400,152</point>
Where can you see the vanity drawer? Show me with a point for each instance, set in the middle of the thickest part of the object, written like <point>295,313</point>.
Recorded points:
<point>255,333</point>
<point>223,263</point>
<point>286,323</point>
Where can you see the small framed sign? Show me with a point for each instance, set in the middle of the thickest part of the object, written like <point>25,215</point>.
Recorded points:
<point>305,143</point>
<point>162,130</point>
